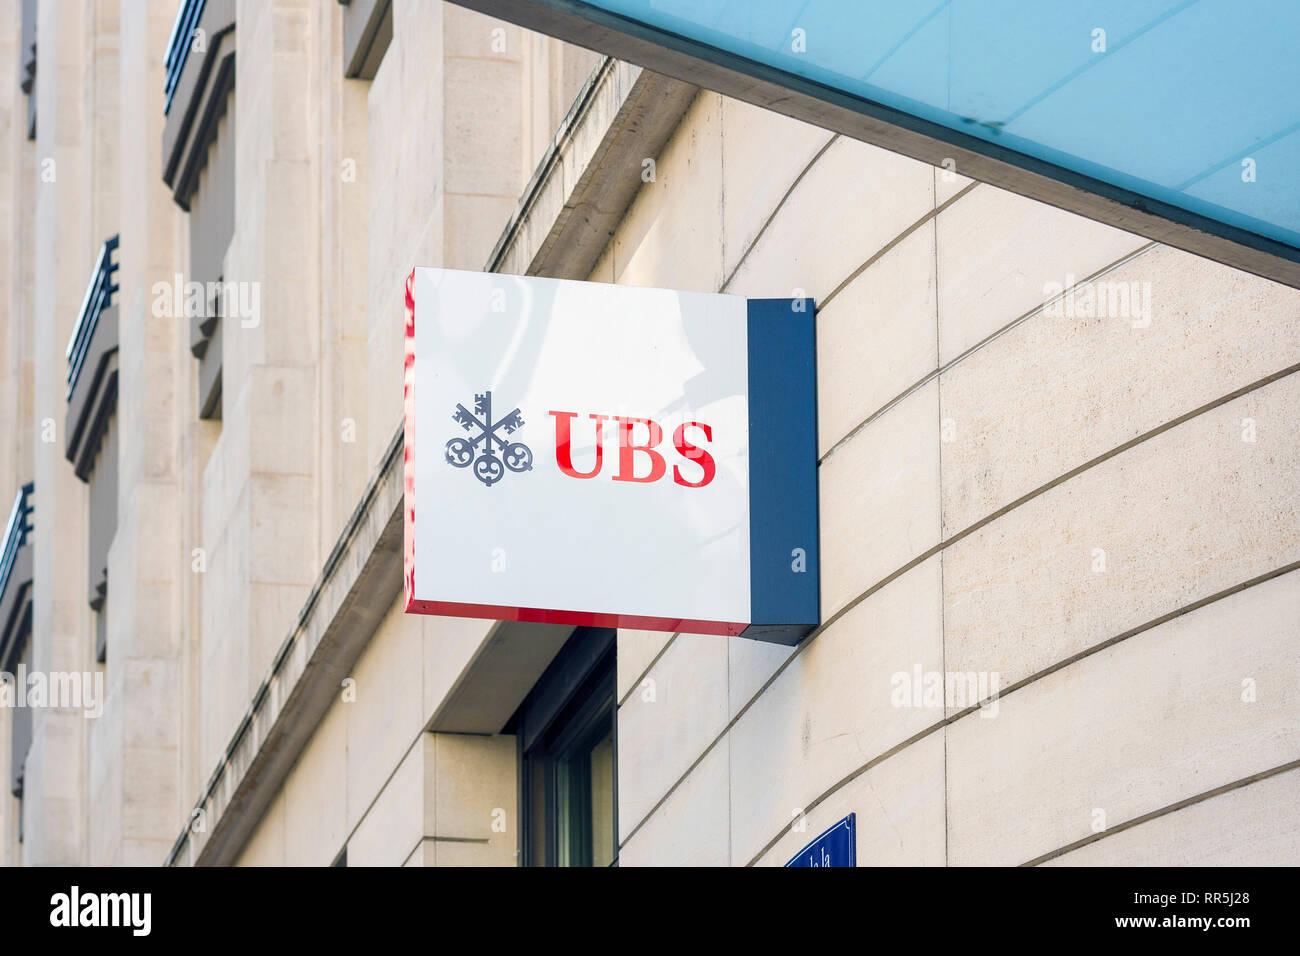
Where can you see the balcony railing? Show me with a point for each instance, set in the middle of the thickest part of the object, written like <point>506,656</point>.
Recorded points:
<point>99,296</point>
<point>16,532</point>
<point>178,46</point>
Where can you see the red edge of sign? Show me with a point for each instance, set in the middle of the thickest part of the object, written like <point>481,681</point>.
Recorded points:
<point>540,615</point>
<point>408,450</point>
<point>531,615</point>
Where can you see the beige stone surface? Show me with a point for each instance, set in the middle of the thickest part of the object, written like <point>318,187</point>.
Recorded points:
<point>1179,518</point>
<point>406,161</point>
<point>482,145</point>
<point>387,717</point>
<point>879,499</point>
<point>472,35</point>
<point>636,650</point>
<point>68,227</point>
<point>833,708</point>
<point>472,225</point>
<point>449,644</point>
<point>475,789</point>
<point>1140,726</point>
<point>1250,826</point>
<point>674,226</point>
<point>423,855</point>
<point>1057,391</point>
<point>316,820</point>
<point>266,846</point>
<point>877,338</point>
<point>691,828</point>
<point>996,253</point>
<point>898,807</point>
<point>763,153</point>
<point>948,182</point>
<point>457,853</point>
<point>853,202</point>
<point>687,712</point>
<point>483,76</point>
<point>750,664</point>
<point>395,823</point>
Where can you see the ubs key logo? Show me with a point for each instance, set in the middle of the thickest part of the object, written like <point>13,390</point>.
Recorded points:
<point>488,467</point>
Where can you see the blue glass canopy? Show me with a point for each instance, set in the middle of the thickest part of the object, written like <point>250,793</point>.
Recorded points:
<point>1195,103</point>
<point>1175,119</point>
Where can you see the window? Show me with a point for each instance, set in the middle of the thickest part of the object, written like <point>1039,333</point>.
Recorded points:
<point>367,32</point>
<point>16,629</point>
<point>20,741</point>
<point>199,164</point>
<point>212,226</point>
<point>91,430</point>
<point>568,757</point>
<point>27,57</point>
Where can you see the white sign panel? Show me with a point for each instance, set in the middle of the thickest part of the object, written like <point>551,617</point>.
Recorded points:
<point>580,452</point>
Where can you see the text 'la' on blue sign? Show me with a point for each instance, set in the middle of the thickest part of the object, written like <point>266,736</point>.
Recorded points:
<point>838,846</point>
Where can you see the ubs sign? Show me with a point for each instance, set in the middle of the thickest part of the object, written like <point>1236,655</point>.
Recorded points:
<point>586,453</point>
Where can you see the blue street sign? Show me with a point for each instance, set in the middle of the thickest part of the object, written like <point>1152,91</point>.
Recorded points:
<point>838,846</point>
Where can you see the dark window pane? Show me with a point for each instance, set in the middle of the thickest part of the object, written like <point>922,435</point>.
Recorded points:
<point>569,772</point>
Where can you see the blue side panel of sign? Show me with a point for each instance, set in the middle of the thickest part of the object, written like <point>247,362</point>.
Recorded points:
<point>783,545</point>
<point>838,846</point>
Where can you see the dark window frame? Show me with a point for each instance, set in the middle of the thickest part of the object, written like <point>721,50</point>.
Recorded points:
<point>367,33</point>
<point>569,705</point>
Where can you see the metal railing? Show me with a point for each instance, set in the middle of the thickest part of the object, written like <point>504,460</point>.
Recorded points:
<point>99,296</point>
<point>16,532</point>
<point>178,45</point>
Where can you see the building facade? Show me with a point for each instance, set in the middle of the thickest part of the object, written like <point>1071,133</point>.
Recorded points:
<point>1059,476</point>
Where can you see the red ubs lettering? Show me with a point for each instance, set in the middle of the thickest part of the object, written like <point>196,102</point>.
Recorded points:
<point>638,441</point>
